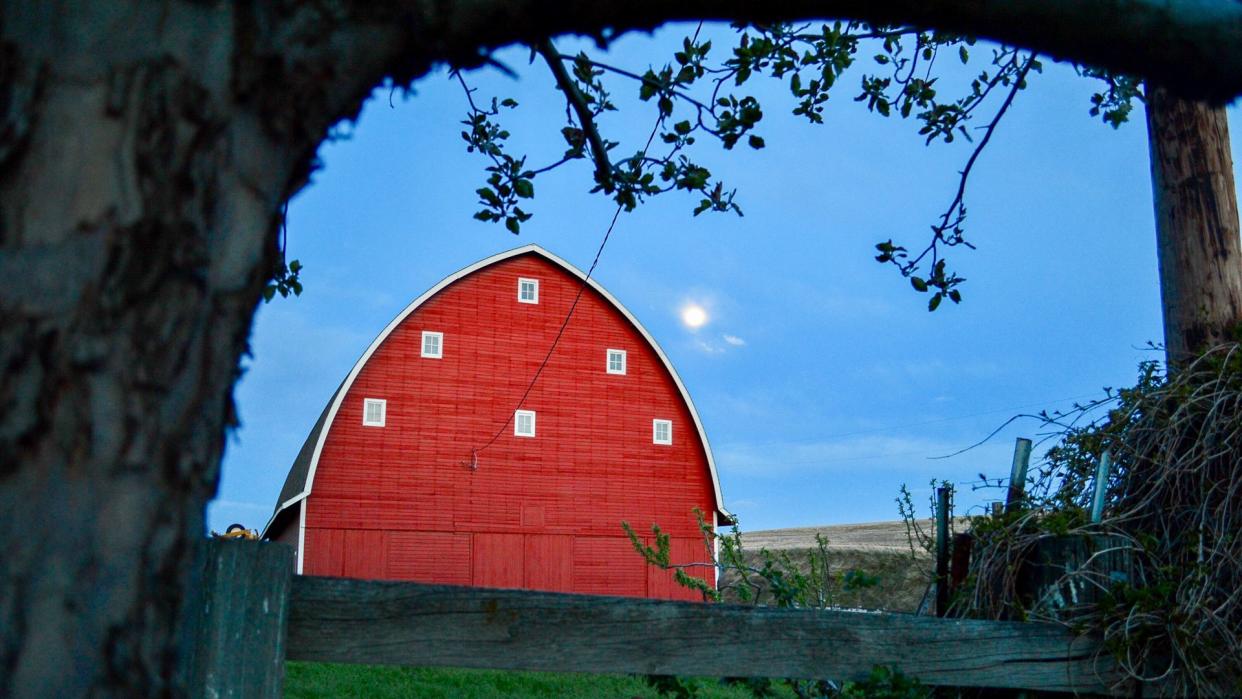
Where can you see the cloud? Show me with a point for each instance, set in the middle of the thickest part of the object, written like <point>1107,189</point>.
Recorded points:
<point>734,340</point>
<point>708,347</point>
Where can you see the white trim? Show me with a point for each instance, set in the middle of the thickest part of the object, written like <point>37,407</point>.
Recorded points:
<point>608,361</point>
<point>517,416</point>
<point>302,535</point>
<point>656,424</point>
<point>716,547</point>
<point>283,506</point>
<point>533,282</point>
<point>464,272</point>
<point>422,347</point>
<point>383,411</point>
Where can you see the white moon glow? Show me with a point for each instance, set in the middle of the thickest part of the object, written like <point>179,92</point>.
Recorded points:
<point>694,316</point>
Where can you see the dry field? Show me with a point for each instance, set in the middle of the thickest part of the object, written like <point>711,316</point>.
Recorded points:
<point>877,548</point>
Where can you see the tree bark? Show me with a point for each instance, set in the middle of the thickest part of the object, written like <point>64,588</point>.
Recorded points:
<point>146,150</point>
<point>1197,234</point>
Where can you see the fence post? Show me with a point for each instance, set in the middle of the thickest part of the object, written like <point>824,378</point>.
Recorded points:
<point>1100,488</point>
<point>1017,473</point>
<point>942,550</point>
<point>242,620</point>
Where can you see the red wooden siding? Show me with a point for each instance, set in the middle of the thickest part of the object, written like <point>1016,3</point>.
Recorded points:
<point>542,512</point>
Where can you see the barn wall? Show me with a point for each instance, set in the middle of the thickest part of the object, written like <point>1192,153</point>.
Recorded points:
<point>541,513</point>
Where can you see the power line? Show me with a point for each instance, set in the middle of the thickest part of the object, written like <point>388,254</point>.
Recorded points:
<point>569,315</point>
<point>892,428</point>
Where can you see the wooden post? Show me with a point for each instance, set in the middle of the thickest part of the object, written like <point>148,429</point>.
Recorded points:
<point>1017,473</point>
<point>240,647</point>
<point>1100,489</point>
<point>942,550</point>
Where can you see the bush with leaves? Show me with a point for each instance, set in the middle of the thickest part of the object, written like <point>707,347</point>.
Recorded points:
<point>1173,513</point>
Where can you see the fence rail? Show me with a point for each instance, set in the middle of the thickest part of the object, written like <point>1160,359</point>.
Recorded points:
<point>399,623</point>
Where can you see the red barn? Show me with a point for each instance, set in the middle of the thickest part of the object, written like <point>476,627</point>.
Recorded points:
<point>421,467</point>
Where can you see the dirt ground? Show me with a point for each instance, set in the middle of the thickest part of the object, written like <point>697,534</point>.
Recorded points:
<point>880,549</point>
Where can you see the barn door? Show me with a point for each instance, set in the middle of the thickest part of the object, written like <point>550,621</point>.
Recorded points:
<point>549,562</point>
<point>497,560</point>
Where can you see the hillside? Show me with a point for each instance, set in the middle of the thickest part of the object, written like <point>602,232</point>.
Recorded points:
<point>877,548</point>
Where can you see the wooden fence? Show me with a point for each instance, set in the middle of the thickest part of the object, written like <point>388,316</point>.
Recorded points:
<point>256,614</point>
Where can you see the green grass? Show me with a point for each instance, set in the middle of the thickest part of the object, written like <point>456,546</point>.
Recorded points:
<point>307,680</point>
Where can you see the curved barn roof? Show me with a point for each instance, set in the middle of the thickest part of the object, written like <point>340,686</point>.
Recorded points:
<point>301,476</point>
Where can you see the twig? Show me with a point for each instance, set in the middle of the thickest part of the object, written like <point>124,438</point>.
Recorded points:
<point>599,153</point>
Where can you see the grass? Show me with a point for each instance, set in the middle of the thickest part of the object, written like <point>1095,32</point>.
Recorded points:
<point>313,680</point>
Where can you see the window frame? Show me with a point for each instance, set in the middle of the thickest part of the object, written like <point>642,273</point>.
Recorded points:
<point>517,423</point>
<point>656,423</point>
<point>422,349</point>
<point>608,354</point>
<point>535,288</point>
<point>383,412</point>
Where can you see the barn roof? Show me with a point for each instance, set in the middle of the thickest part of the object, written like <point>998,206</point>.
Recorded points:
<point>301,476</point>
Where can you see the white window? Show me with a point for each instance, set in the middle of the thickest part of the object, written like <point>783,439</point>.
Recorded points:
<point>528,290</point>
<point>433,345</point>
<point>616,361</point>
<point>524,423</point>
<point>374,412</point>
<point>662,431</point>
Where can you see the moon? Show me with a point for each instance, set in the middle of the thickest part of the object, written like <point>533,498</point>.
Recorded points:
<point>694,316</point>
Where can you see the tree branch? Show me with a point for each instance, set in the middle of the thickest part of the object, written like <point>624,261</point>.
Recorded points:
<point>1192,48</point>
<point>599,153</point>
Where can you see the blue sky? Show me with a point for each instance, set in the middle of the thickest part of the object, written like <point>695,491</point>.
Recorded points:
<point>822,380</point>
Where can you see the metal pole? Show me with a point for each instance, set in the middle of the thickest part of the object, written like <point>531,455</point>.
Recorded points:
<point>1101,487</point>
<point>942,550</point>
<point>1017,473</point>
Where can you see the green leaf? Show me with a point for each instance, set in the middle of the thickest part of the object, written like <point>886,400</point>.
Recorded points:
<point>524,188</point>
<point>918,284</point>
<point>934,303</point>
<point>756,142</point>
<point>513,225</point>
<point>963,54</point>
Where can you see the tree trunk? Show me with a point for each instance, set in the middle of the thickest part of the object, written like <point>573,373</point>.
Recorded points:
<point>145,152</point>
<point>1197,233</point>
<point>133,246</point>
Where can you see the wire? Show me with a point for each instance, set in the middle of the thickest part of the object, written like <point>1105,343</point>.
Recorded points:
<point>564,324</point>
<point>891,428</point>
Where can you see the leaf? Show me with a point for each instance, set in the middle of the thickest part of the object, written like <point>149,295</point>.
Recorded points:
<point>918,284</point>
<point>963,54</point>
<point>756,142</point>
<point>513,225</point>
<point>524,188</point>
<point>934,303</point>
